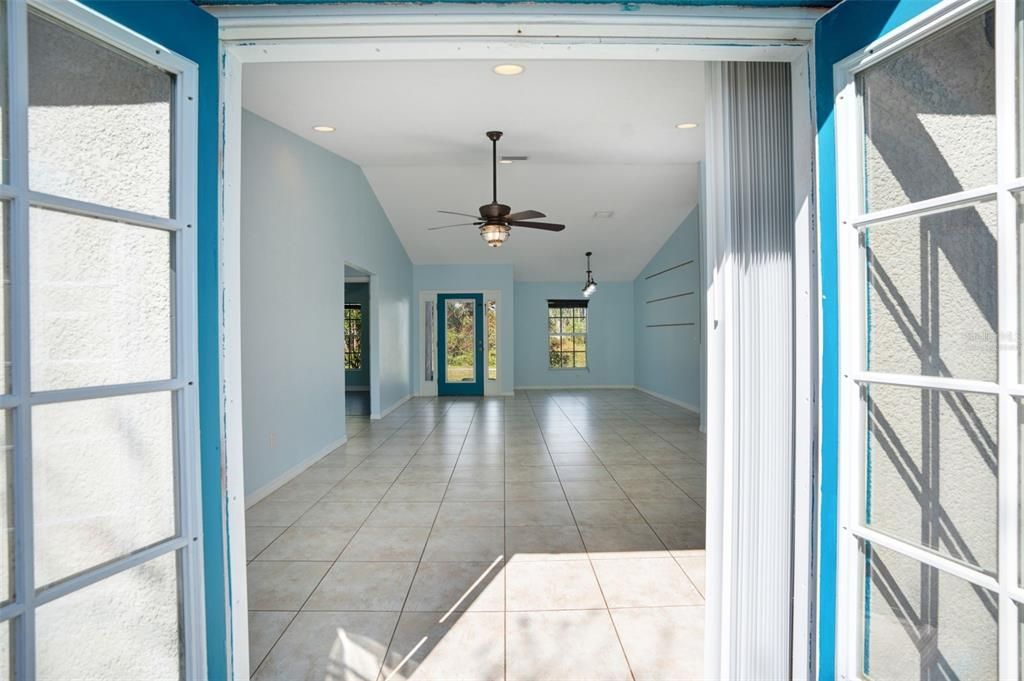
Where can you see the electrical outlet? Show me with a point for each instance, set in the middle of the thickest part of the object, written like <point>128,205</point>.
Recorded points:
<point>272,440</point>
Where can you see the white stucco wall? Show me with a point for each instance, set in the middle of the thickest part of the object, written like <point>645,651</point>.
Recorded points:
<point>932,457</point>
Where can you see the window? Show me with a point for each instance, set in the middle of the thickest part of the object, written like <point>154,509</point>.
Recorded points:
<point>100,568</point>
<point>567,334</point>
<point>930,366</point>
<point>491,317</point>
<point>353,337</point>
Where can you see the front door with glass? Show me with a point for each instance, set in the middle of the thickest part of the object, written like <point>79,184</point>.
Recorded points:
<point>460,344</point>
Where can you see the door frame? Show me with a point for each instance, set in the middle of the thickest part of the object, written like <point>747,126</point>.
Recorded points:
<point>255,34</point>
<point>478,353</point>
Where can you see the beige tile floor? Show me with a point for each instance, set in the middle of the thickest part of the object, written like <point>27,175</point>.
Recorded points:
<point>555,535</point>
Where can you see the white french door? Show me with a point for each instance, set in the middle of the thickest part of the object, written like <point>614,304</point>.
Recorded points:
<point>100,565</point>
<point>930,197</point>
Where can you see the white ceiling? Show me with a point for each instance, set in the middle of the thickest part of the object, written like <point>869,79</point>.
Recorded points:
<point>600,135</point>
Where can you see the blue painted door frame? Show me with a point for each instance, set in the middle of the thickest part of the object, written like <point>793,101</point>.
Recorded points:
<point>476,387</point>
<point>847,28</point>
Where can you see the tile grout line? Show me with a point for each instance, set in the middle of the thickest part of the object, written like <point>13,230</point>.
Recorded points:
<point>335,561</point>
<point>419,562</point>
<point>590,561</point>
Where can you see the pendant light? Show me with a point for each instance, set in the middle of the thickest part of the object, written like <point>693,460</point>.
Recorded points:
<point>591,285</point>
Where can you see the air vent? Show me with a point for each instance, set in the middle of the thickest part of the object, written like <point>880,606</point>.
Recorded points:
<point>510,159</point>
<point>604,214</point>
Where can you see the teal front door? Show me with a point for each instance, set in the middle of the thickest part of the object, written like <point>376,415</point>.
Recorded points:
<point>460,344</point>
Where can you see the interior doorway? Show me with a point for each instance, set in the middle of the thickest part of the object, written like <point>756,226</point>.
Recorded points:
<point>563,413</point>
<point>358,351</point>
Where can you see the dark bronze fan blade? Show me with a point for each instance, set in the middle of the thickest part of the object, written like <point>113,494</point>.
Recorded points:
<point>549,226</point>
<point>525,215</point>
<point>465,215</point>
<point>461,224</point>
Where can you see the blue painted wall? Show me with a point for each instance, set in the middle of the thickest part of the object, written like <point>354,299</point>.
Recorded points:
<point>609,336</point>
<point>471,279</point>
<point>305,213</point>
<point>841,32</point>
<point>668,358</point>
<point>182,27</point>
<point>358,293</point>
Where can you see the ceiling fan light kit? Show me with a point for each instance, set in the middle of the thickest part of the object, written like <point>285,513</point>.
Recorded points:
<point>496,219</point>
<point>591,285</point>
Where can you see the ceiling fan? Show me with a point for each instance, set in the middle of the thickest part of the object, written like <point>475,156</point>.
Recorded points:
<point>496,219</point>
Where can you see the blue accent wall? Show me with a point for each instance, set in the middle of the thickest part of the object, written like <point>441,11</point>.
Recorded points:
<point>358,293</point>
<point>471,279</point>
<point>182,27</point>
<point>668,358</point>
<point>846,29</point>
<point>306,213</point>
<point>609,335</point>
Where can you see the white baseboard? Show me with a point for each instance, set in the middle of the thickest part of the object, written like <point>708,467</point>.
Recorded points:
<point>679,403</point>
<point>574,387</point>
<point>278,482</point>
<point>390,409</point>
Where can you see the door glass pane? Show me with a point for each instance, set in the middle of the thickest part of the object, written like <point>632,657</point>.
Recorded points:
<point>101,302</point>
<point>103,480</point>
<point>930,470</point>
<point>492,340</point>
<point>6,663</point>
<point>6,506</point>
<point>129,623</point>
<point>460,341</point>
<point>929,117</point>
<point>4,160</point>
<point>99,121</point>
<point>931,294</point>
<point>918,622</point>
<point>5,297</point>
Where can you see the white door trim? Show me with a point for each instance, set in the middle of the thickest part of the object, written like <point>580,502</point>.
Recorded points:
<point>379,33</point>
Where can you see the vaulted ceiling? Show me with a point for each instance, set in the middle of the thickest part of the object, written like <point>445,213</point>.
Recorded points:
<point>600,137</point>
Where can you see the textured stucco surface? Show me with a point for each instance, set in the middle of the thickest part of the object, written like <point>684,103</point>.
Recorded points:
<point>101,310</point>
<point>931,459</point>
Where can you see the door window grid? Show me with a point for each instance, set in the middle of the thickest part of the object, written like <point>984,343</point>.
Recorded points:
<point>567,336</point>
<point>19,615</point>
<point>856,537</point>
<point>353,337</point>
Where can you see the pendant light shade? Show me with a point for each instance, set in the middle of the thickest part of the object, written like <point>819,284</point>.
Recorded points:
<point>590,286</point>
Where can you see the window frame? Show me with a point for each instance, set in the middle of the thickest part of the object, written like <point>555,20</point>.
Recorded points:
<point>567,305</point>
<point>853,378</point>
<point>358,333</point>
<point>186,543</point>
<point>491,338</point>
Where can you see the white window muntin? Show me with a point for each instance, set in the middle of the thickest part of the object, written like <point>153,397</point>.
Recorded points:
<point>854,377</point>
<point>187,541</point>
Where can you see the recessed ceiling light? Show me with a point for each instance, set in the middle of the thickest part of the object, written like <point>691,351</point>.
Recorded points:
<point>505,161</point>
<point>508,69</point>
<point>323,128</point>
<point>686,126</point>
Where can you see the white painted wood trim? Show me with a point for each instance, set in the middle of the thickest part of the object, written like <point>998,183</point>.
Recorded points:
<point>284,478</point>
<point>665,398</point>
<point>395,406</point>
<point>575,387</point>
